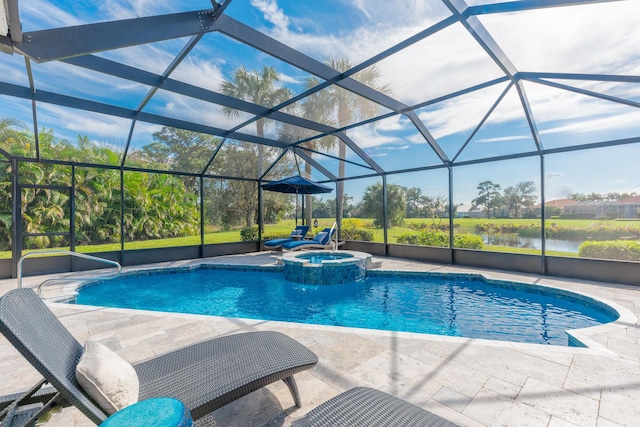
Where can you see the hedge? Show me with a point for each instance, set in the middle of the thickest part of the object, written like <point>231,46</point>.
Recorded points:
<point>441,239</point>
<point>249,234</point>
<point>622,250</point>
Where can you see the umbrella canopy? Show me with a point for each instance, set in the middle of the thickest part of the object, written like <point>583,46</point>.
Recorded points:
<point>298,185</point>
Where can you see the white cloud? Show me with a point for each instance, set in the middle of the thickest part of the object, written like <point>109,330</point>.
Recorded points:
<point>451,59</point>
<point>17,108</point>
<point>391,124</point>
<point>189,109</point>
<point>39,14</point>
<point>460,114</point>
<point>598,124</point>
<point>68,124</point>
<point>369,137</point>
<point>417,138</point>
<point>12,70</point>
<point>591,38</point>
<point>204,74</point>
<point>504,138</point>
<point>553,175</point>
<point>127,9</point>
<point>596,38</point>
<point>153,58</point>
<point>287,79</point>
<point>386,24</point>
<point>560,191</point>
<point>401,147</point>
<point>272,13</point>
<point>55,77</point>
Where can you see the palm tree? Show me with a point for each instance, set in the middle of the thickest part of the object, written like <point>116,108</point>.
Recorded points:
<point>344,106</point>
<point>15,137</point>
<point>258,88</point>
<point>292,134</point>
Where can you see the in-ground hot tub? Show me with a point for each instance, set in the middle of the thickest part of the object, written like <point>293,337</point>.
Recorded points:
<point>325,267</point>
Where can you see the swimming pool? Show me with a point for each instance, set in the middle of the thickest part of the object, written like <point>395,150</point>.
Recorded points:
<point>453,305</point>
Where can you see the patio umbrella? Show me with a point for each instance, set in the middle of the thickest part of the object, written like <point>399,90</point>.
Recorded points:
<point>298,185</point>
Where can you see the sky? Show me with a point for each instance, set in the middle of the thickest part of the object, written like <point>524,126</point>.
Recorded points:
<point>591,38</point>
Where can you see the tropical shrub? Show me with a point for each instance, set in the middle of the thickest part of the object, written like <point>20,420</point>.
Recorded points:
<point>441,239</point>
<point>249,234</point>
<point>442,226</point>
<point>354,229</point>
<point>433,238</point>
<point>408,239</point>
<point>271,236</point>
<point>467,241</point>
<point>492,227</point>
<point>623,250</point>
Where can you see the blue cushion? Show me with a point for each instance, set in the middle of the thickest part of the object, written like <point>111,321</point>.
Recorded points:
<point>295,243</point>
<point>276,242</point>
<point>321,238</point>
<point>157,412</point>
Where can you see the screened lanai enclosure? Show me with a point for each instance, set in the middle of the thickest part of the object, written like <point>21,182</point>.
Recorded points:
<point>501,134</point>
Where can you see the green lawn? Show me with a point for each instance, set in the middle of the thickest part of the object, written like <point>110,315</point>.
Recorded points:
<point>284,228</point>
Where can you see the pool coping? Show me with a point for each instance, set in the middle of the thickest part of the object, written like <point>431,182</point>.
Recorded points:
<point>597,350</point>
<point>582,336</point>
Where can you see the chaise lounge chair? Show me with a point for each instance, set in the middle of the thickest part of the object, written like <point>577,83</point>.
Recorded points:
<point>322,240</point>
<point>366,407</point>
<point>204,376</point>
<point>299,232</point>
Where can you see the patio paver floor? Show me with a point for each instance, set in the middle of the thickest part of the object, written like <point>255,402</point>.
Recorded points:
<point>468,381</point>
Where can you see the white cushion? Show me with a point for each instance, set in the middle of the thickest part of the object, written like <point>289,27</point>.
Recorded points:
<point>110,381</point>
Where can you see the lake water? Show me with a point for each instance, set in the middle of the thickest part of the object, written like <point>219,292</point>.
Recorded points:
<point>516,241</point>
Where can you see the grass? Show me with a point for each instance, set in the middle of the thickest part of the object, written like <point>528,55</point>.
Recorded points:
<point>284,228</point>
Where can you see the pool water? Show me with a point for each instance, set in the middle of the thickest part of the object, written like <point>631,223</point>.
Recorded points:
<point>441,305</point>
<point>318,257</point>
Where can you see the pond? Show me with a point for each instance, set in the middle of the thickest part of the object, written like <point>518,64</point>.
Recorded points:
<point>513,240</point>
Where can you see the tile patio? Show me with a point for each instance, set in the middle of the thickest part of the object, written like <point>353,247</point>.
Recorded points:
<point>469,381</point>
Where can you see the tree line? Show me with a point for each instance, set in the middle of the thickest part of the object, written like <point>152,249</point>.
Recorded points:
<point>513,202</point>
<point>231,202</point>
<point>402,202</point>
<point>156,205</point>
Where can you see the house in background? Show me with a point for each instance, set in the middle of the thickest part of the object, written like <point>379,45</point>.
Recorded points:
<point>465,211</point>
<point>601,209</point>
<point>553,207</point>
<point>630,207</point>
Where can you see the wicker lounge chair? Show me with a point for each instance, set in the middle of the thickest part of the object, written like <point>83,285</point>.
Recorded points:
<point>299,232</point>
<point>365,407</point>
<point>205,376</point>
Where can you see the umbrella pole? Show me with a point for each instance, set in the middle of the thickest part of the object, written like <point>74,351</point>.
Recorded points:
<point>296,207</point>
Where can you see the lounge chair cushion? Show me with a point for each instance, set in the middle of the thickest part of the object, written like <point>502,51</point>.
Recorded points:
<point>110,381</point>
<point>321,237</point>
